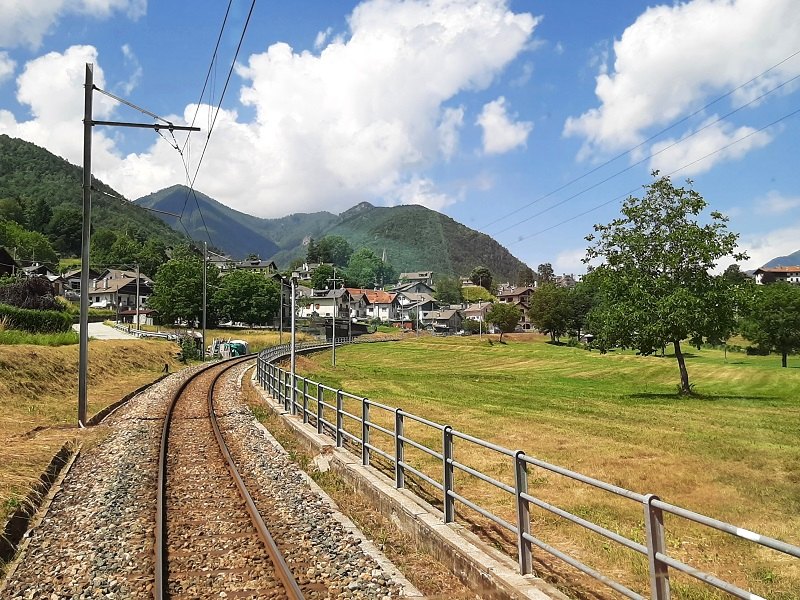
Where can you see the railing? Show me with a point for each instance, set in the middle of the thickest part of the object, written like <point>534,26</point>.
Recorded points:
<point>327,408</point>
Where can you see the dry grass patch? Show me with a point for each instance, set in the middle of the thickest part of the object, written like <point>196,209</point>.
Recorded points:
<point>38,401</point>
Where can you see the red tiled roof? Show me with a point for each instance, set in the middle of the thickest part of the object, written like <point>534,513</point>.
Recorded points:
<point>375,296</point>
<point>778,269</point>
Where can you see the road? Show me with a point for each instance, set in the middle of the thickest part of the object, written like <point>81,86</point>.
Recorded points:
<point>101,331</point>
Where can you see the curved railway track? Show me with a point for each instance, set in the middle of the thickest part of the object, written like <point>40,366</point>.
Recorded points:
<point>210,537</point>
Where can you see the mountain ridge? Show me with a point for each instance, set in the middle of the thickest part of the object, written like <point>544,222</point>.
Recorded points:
<point>414,237</point>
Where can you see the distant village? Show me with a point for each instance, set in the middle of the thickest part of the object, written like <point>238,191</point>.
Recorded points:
<point>408,304</point>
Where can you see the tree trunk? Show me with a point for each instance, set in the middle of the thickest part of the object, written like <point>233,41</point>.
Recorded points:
<point>783,359</point>
<point>685,389</point>
<point>501,337</point>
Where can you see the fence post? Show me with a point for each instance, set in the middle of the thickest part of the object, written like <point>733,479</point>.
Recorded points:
<point>523,514</point>
<point>339,418</point>
<point>305,400</point>
<point>447,478</point>
<point>287,397</point>
<point>656,542</point>
<point>293,378</point>
<point>365,432</point>
<point>399,450</point>
<point>320,407</point>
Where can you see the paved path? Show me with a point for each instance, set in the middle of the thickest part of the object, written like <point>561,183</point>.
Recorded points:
<point>101,331</point>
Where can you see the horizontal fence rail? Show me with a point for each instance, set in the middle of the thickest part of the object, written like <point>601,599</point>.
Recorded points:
<point>325,407</point>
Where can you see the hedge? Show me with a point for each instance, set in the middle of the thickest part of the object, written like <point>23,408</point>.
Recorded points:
<point>35,321</point>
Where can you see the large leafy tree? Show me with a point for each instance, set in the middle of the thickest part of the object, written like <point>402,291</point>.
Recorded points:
<point>773,319</point>
<point>546,273</point>
<point>322,277</point>
<point>365,269</point>
<point>481,276</point>
<point>178,288</point>
<point>526,276</point>
<point>27,246</point>
<point>550,310</point>
<point>655,279</point>
<point>65,229</point>
<point>582,299</point>
<point>246,297</point>
<point>334,249</point>
<point>504,316</point>
<point>448,291</point>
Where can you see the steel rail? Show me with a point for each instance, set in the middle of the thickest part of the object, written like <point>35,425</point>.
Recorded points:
<point>275,555</point>
<point>161,571</point>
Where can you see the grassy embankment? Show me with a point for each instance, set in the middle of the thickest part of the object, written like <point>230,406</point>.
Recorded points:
<point>731,452</point>
<point>38,400</point>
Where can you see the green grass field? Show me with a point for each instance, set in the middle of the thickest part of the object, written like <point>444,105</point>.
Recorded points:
<point>731,452</point>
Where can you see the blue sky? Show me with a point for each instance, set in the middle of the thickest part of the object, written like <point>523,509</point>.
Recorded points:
<point>490,111</point>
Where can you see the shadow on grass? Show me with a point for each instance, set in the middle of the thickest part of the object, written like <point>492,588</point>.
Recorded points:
<point>698,396</point>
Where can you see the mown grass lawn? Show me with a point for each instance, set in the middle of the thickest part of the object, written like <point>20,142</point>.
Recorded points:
<point>731,452</point>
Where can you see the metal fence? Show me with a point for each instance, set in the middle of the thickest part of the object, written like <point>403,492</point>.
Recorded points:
<point>325,407</point>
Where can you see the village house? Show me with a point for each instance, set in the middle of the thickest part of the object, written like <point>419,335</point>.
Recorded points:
<point>425,277</point>
<point>477,311</point>
<point>521,298</point>
<point>411,303</point>
<point>443,321</point>
<point>116,289</point>
<point>325,303</point>
<point>8,266</point>
<point>359,301</point>
<point>766,275</point>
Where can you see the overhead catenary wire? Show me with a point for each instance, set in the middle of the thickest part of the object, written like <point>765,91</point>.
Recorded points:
<point>678,170</point>
<point>649,139</point>
<point>191,181</point>
<point>649,156</point>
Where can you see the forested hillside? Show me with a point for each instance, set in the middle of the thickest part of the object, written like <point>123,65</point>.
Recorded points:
<point>412,237</point>
<point>41,198</point>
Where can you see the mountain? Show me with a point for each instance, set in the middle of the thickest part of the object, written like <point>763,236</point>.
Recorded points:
<point>234,232</point>
<point>30,174</point>
<point>789,260</point>
<point>412,237</point>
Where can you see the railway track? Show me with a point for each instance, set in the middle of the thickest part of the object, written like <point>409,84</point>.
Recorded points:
<point>210,538</point>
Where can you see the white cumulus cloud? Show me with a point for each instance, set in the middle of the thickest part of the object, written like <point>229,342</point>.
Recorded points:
<point>775,203</point>
<point>763,247</point>
<point>7,66</point>
<point>697,152</point>
<point>362,119</point>
<point>500,132</point>
<point>675,57</point>
<point>26,22</point>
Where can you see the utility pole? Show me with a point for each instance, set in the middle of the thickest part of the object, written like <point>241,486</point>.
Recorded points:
<point>292,348</point>
<point>205,270</point>
<point>137,296</point>
<point>333,323</point>
<point>88,123</point>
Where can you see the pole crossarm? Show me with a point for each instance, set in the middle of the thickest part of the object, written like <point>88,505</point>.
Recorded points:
<point>155,126</point>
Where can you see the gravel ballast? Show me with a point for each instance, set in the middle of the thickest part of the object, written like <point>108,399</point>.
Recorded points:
<point>96,540</point>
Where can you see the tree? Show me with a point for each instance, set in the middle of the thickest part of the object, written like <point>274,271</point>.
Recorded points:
<point>364,269</point>
<point>656,283</point>
<point>481,276</point>
<point>312,252</point>
<point>734,274</point>
<point>448,291</point>
<point>472,294</point>
<point>152,256</point>
<point>334,249</point>
<point>546,273</point>
<point>29,246</point>
<point>38,215</point>
<point>11,209</point>
<point>582,299</point>
<point>773,319</point>
<point>504,316</point>
<point>550,310</point>
<point>246,297</point>
<point>526,277</point>
<point>321,276</point>
<point>65,229</point>
<point>178,287</point>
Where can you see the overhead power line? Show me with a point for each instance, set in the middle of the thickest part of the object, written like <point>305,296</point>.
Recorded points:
<point>649,139</point>
<point>649,156</point>
<point>191,180</point>
<point>678,170</point>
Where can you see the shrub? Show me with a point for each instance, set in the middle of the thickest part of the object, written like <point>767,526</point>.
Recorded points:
<point>756,351</point>
<point>35,321</point>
